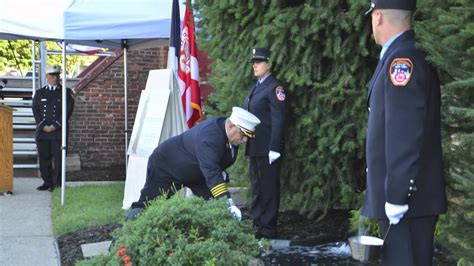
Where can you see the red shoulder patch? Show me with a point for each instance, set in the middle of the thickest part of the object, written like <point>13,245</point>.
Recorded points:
<point>280,93</point>
<point>401,70</point>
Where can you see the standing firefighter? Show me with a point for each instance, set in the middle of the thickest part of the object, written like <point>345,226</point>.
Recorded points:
<point>47,110</point>
<point>405,183</point>
<point>266,99</point>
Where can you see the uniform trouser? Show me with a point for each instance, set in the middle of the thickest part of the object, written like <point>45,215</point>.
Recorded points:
<point>410,242</point>
<point>265,181</point>
<point>159,182</point>
<point>49,151</point>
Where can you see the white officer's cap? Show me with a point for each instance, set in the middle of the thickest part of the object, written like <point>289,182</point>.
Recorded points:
<point>53,70</point>
<point>246,121</point>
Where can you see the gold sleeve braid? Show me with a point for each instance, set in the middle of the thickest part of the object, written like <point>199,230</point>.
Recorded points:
<point>219,190</point>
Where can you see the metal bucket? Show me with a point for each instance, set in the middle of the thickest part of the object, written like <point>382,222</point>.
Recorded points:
<point>366,248</point>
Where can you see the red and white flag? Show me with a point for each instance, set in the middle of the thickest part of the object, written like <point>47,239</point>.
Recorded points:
<point>90,50</point>
<point>188,73</point>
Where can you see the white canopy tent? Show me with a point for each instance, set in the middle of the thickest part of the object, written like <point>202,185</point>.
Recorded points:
<point>105,23</point>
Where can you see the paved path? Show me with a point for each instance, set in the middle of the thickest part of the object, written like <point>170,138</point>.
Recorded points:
<point>26,233</point>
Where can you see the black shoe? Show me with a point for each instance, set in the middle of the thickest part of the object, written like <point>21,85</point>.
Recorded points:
<point>43,187</point>
<point>267,234</point>
<point>258,235</point>
<point>132,214</point>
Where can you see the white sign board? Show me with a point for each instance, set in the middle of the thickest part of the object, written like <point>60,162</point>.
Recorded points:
<point>159,116</point>
<point>148,122</point>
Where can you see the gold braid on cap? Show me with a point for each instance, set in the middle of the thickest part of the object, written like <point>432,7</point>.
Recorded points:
<point>246,132</point>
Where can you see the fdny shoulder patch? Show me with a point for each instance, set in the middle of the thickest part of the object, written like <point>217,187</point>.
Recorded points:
<point>280,93</point>
<point>401,70</point>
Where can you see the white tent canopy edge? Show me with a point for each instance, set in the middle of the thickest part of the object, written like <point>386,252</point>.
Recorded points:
<point>106,23</point>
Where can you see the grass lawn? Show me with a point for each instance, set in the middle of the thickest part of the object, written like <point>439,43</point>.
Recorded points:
<point>87,206</point>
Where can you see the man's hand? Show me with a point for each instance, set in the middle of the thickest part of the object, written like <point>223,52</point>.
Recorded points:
<point>234,211</point>
<point>225,176</point>
<point>273,156</point>
<point>47,129</point>
<point>395,212</point>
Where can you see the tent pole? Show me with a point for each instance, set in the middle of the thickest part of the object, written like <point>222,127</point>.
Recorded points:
<point>126,106</point>
<point>33,69</point>
<point>63,128</point>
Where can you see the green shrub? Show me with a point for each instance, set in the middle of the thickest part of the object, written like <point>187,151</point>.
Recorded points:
<point>180,231</point>
<point>324,53</point>
<point>363,225</point>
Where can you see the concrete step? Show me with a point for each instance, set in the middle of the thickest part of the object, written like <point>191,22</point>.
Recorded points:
<point>23,140</point>
<point>73,163</point>
<point>23,133</point>
<point>32,127</point>
<point>25,172</point>
<point>16,89</point>
<point>19,103</point>
<point>20,153</point>
<point>23,111</point>
<point>26,166</point>
<point>94,249</point>
<point>24,120</point>
<point>24,146</point>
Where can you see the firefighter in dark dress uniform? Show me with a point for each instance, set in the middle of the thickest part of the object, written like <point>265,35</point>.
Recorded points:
<point>47,110</point>
<point>266,99</point>
<point>197,159</point>
<point>405,184</point>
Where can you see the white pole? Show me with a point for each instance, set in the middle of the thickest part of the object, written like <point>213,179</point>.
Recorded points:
<point>33,68</point>
<point>63,128</point>
<point>42,73</point>
<point>126,106</point>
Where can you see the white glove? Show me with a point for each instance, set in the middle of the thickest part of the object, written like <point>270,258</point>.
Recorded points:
<point>395,212</point>
<point>272,156</point>
<point>225,176</point>
<point>234,211</point>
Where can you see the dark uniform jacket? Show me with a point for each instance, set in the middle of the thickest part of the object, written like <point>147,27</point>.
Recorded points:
<point>198,155</point>
<point>47,110</point>
<point>267,102</point>
<point>403,146</point>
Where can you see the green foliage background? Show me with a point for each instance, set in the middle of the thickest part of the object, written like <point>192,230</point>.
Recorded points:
<point>451,49</point>
<point>324,52</point>
<point>326,68</point>
<point>17,55</point>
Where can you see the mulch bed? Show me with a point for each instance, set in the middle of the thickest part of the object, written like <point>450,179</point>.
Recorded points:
<point>333,227</point>
<point>70,244</point>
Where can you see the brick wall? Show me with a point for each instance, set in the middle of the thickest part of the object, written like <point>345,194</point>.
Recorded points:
<point>204,71</point>
<point>97,124</point>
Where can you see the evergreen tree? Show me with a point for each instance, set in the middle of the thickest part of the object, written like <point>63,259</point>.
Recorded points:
<point>324,52</point>
<point>451,49</point>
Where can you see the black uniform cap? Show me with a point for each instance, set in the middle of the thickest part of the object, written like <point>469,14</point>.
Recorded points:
<point>409,5</point>
<point>260,54</point>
